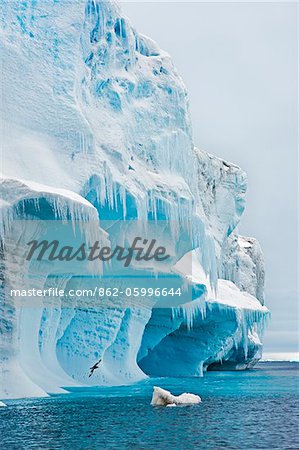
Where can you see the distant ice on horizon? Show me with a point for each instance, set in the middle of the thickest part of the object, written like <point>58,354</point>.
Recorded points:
<point>281,356</point>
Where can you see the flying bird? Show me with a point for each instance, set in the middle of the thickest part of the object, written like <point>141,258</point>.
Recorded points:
<point>94,367</point>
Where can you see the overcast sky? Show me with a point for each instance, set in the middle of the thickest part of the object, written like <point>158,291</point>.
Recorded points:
<point>239,63</point>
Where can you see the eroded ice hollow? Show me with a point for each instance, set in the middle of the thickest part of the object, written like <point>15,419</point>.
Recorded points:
<point>97,137</point>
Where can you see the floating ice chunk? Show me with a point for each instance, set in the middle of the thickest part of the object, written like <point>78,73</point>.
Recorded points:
<point>161,397</point>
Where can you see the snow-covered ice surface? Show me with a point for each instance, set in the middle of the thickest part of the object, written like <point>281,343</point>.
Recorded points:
<point>96,127</point>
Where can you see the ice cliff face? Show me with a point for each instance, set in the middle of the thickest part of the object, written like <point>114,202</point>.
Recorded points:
<point>96,128</point>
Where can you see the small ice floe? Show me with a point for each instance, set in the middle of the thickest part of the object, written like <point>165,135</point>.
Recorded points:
<point>2,404</point>
<point>161,397</point>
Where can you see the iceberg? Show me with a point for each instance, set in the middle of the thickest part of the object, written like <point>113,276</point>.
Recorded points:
<point>97,139</point>
<point>161,397</point>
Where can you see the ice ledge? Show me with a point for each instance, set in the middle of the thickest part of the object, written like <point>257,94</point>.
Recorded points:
<point>14,190</point>
<point>229,294</point>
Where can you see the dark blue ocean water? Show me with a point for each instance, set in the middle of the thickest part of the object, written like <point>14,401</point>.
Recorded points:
<point>256,409</point>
